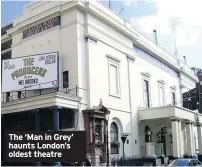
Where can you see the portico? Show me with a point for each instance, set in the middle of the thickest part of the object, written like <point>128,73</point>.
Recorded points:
<point>171,129</point>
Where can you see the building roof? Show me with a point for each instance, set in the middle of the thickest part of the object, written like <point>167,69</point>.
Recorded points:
<point>5,28</point>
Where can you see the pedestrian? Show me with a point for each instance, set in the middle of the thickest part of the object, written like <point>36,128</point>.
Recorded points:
<point>88,161</point>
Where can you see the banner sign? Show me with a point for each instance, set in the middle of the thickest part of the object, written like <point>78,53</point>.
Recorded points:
<point>53,22</point>
<point>62,146</point>
<point>32,72</point>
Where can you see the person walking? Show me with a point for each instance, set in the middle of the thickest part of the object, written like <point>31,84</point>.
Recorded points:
<point>88,161</point>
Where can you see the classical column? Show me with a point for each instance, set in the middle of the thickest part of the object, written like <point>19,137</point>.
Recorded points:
<point>180,137</point>
<point>193,139</point>
<point>56,125</point>
<point>199,131</point>
<point>189,139</point>
<point>175,138</point>
<point>56,121</point>
<point>37,127</point>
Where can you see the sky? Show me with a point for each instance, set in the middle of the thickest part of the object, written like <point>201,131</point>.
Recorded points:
<point>178,23</point>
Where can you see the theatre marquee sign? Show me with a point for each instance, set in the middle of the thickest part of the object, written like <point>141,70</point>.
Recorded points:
<point>55,21</point>
<point>32,72</point>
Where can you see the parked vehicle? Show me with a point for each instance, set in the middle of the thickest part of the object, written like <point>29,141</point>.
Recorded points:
<point>185,162</point>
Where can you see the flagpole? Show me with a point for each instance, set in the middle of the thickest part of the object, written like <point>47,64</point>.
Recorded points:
<point>175,38</point>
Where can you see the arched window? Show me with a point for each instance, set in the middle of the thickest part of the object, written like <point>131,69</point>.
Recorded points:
<point>114,138</point>
<point>148,134</point>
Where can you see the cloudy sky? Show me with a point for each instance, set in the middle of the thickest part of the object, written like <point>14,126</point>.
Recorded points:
<point>175,21</point>
<point>180,18</point>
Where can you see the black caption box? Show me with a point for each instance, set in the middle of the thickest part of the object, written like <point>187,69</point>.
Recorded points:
<point>63,146</point>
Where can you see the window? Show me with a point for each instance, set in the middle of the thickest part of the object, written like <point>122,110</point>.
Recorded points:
<point>114,79</point>
<point>161,95</point>
<point>148,134</point>
<point>98,131</point>
<point>8,95</point>
<point>114,138</point>
<point>173,98</point>
<point>181,162</point>
<point>65,79</point>
<point>19,94</point>
<point>196,163</point>
<point>146,94</point>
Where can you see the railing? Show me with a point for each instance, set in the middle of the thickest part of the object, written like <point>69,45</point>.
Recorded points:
<point>143,150</point>
<point>170,150</point>
<point>40,89</point>
<point>159,149</point>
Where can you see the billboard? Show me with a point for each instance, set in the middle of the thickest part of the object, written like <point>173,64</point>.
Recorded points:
<point>30,72</point>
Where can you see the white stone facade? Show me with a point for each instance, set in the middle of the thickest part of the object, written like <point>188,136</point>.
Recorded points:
<point>96,45</point>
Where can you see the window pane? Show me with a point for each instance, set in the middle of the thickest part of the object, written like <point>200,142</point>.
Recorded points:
<point>65,79</point>
<point>114,87</point>
<point>161,97</point>
<point>173,98</point>
<point>114,138</point>
<point>146,93</point>
<point>114,132</point>
<point>181,163</point>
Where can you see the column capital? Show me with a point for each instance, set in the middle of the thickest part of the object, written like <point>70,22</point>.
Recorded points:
<point>175,119</point>
<point>189,122</point>
<point>35,110</point>
<point>198,124</point>
<point>56,107</point>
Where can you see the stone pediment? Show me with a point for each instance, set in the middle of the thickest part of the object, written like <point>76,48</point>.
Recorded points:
<point>98,109</point>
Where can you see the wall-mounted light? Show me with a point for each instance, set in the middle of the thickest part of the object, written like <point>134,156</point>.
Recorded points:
<point>127,141</point>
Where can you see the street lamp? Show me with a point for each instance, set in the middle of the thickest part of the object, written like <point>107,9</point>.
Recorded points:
<point>107,139</point>
<point>123,138</point>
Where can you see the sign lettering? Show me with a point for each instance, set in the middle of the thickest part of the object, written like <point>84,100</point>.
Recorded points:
<point>41,27</point>
<point>29,72</point>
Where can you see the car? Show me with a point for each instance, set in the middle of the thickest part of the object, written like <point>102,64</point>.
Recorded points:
<point>185,162</point>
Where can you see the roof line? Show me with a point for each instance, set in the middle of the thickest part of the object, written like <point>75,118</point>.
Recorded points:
<point>6,25</point>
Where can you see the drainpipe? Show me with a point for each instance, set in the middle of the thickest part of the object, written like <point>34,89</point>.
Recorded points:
<point>87,60</point>
<point>181,92</point>
<point>130,102</point>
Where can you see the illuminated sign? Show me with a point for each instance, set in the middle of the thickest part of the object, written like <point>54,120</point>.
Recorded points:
<point>41,27</point>
<point>29,72</point>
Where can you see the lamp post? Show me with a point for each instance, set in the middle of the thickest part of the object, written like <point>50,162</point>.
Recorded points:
<point>123,138</point>
<point>107,140</point>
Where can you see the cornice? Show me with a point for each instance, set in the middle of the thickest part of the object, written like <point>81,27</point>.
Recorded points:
<point>188,74</point>
<point>161,81</point>
<point>147,74</point>
<point>109,17</point>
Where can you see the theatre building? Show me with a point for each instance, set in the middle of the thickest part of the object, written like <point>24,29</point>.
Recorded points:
<point>70,65</point>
